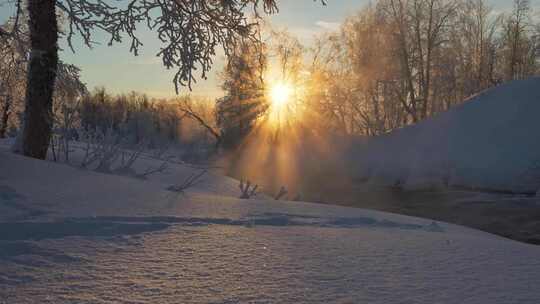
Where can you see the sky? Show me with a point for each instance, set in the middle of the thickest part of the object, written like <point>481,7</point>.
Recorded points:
<point>120,71</point>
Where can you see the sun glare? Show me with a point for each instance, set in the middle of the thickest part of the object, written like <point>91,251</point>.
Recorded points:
<point>280,95</point>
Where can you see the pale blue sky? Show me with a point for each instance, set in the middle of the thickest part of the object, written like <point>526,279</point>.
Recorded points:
<point>119,71</point>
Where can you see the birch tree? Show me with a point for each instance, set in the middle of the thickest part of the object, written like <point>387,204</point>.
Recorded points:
<point>189,30</point>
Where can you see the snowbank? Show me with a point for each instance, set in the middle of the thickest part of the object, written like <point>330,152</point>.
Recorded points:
<point>76,236</point>
<point>490,142</point>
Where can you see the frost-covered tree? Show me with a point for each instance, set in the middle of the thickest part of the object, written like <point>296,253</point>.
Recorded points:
<point>12,73</point>
<point>14,51</point>
<point>190,30</point>
<point>244,102</point>
<point>519,42</point>
<point>397,62</point>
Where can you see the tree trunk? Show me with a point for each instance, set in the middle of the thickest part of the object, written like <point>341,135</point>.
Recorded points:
<point>41,77</point>
<point>5,116</point>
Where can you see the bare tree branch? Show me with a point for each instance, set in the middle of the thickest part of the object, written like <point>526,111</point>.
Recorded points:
<point>189,30</point>
<point>192,180</point>
<point>187,109</point>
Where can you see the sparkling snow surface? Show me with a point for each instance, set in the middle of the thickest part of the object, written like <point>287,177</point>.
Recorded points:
<point>74,236</point>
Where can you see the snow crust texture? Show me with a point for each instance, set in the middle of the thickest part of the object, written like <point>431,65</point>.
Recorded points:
<point>214,263</point>
<point>73,236</point>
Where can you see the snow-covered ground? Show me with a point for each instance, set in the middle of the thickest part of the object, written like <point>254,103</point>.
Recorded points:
<point>69,235</point>
<point>490,142</point>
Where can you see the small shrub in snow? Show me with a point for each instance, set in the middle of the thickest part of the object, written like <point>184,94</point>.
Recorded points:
<point>247,189</point>
<point>54,146</point>
<point>164,165</point>
<point>128,158</point>
<point>190,181</point>
<point>104,152</point>
<point>65,118</point>
<point>160,152</point>
<point>282,192</point>
<point>108,151</point>
<point>100,149</point>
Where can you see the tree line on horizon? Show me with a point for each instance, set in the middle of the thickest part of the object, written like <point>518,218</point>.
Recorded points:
<point>393,63</point>
<point>398,62</point>
<point>190,31</point>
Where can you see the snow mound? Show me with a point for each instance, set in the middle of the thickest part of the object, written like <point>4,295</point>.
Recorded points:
<point>76,236</point>
<point>490,142</point>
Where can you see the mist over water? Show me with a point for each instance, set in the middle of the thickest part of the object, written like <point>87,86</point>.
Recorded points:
<point>302,161</point>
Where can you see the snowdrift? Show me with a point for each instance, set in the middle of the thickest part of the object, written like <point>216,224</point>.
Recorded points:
<point>76,236</point>
<point>491,142</point>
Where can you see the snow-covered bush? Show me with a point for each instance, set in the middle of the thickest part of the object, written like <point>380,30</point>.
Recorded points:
<point>108,153</point>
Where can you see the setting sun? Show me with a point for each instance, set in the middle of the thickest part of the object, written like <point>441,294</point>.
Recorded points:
<point>280,95</point>
<point>241,151</point>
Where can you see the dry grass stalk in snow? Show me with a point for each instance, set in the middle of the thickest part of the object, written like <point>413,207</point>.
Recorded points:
<point>248,190</point>
<point>164,165</point>
<point>192,180</point>
<point>282,192</point>
<point>127,159</point>
<point>103,149</point>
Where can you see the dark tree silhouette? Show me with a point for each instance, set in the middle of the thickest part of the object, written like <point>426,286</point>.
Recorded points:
<point>41,78</point>
<point>244,101</point>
